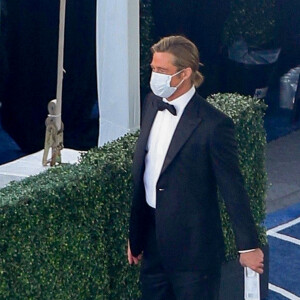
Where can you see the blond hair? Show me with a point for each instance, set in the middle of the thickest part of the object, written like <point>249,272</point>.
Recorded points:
<point>185,53</point>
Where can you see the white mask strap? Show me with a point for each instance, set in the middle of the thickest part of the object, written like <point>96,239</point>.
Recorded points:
<point>177,73</point>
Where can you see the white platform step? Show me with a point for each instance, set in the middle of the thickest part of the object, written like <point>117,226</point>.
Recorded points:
<point>32,165</point>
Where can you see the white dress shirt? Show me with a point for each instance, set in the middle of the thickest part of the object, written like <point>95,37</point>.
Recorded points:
<point>159,140</point>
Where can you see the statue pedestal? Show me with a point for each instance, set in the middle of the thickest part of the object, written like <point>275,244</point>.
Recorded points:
<point>31,165</point>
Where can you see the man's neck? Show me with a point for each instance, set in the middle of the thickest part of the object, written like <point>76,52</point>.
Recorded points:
<point>180,91</point>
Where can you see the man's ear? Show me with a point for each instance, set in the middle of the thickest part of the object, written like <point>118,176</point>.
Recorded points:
<point>187,73</point>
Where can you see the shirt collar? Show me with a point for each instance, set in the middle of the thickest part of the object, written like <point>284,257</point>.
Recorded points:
<point>181,102</point>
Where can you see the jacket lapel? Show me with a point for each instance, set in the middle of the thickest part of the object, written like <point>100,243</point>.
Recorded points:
<point>190,119</point>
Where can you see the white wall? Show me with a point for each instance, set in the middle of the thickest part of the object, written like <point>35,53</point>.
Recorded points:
<point>118,68</point>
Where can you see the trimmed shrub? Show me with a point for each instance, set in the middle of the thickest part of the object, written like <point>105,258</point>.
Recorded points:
<point>52,238</point>
<point>64,232</point>
<point>247,114</point>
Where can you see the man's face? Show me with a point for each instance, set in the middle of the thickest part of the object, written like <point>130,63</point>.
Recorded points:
<point>162,62</point>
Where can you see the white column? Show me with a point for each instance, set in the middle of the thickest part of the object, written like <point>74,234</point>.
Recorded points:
<point>118,68</point>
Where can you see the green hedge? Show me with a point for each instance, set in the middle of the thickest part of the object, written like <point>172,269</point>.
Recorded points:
<point>64,232</point>
<point>247,114</point>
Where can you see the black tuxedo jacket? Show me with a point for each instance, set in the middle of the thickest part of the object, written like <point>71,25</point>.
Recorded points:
<point>202,155</point>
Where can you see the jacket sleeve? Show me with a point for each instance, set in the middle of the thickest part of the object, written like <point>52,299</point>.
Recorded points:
<point>225,164</point>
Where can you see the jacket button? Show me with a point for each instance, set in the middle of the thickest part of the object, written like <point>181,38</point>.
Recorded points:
<point>161,190</point>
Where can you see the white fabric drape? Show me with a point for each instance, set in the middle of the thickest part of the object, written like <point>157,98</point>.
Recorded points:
<point>118,68</point>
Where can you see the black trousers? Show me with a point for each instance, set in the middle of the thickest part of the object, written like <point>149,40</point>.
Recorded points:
<point>159,284</point>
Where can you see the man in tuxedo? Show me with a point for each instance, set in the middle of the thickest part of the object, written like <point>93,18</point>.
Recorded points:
<point>186,149</point>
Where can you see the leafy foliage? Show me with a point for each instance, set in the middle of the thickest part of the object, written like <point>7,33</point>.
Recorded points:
<point>64,232</point>
<point>146,41</point>
<point>247,114</point>
<point>252,20</point>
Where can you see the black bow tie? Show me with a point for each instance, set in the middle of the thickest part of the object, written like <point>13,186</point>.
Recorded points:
<point>161,105</point>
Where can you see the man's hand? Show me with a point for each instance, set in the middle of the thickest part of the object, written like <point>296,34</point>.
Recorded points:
<point>132,259</point>
<point>254,260</point>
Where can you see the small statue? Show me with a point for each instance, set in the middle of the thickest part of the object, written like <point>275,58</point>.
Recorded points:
<point>54,136</point>
<point>54,126</point>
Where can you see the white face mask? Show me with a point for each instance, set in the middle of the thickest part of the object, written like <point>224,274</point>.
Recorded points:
<point>160,84</point>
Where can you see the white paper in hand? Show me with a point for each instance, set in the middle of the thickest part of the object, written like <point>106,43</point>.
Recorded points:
<point>251,279</point>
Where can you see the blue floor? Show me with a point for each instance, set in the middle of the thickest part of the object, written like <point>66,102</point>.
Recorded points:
<point>284,258</point>
<point>275,296</point>
<point>282,216</point>
<point>293,232</point>
<point>284,255</point>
